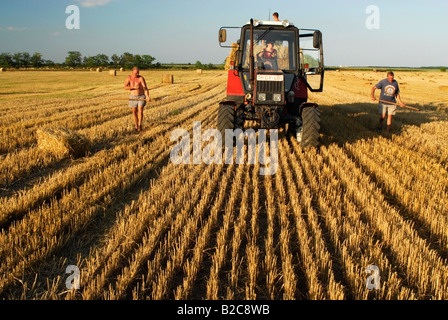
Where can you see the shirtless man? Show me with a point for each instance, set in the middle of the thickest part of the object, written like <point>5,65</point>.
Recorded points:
<point>137,86</point>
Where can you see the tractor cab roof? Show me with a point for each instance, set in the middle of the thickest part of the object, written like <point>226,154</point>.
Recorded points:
<point>284,23</point>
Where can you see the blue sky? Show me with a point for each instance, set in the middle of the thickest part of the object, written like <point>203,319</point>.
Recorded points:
<point>412,33</point>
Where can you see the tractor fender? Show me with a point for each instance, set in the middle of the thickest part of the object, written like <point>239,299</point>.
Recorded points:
<point>300,89</point>
<point>308,105</point>
<point>234,84</point>
<point>229,103</point>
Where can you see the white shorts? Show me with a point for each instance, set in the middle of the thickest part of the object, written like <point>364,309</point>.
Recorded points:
<point>135,104</point>
<point>384,108</point>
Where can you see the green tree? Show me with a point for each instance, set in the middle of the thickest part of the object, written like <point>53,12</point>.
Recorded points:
<point>48,63</point>
<point>26,59</point>
<point>115,60</point>
<point>198,65</point>
<point>101,60</point>
<point>74,59</point>
<point>6,60</point>
<point>89,62</point>
<point>17,59</point>
<point>36,60</point>
<point>147,61</point>
<point>138,62</point>
<point>127,60</point>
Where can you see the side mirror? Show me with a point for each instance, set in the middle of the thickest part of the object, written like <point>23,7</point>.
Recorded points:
<point>317,39</point>
<point>222,35</point>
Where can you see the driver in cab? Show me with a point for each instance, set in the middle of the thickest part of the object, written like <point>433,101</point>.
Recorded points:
<point>268,53</point>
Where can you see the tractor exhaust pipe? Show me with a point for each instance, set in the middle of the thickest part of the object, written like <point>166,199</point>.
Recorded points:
<point>251,56</point>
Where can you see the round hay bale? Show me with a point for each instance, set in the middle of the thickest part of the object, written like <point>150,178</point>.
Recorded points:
<point>168,78</point>
<point>121,69</point>
<point>99,70</point>
<point>62,142</point>
<point>92,69</point>
<point>2,70</point>
<point>199,71</point>
<point>113,72</point>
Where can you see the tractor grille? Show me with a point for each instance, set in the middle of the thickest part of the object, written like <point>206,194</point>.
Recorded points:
<point>270,86</point>
<point>270,89</point>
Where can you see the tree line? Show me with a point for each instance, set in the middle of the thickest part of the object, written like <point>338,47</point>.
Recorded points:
<point>74,59</point>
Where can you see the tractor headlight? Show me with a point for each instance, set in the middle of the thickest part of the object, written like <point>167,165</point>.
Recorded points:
<point>277,97</point>
<point>262,97</point>
<point>285,23</point>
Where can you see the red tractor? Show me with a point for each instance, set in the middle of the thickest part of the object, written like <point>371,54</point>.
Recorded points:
<point>274,66</point>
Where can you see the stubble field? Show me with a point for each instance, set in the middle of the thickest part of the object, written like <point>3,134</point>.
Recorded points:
<point>140,227</point>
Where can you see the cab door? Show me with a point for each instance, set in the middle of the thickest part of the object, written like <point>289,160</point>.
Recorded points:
<point>311,59</point>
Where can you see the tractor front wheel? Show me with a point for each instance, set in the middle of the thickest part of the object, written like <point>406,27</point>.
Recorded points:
<point>310,127</point>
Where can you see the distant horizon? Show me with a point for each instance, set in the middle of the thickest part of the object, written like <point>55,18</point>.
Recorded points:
<point>222,63</point>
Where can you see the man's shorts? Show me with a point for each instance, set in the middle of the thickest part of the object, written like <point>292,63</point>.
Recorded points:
<point>135,104</point>
<point>384,108</point>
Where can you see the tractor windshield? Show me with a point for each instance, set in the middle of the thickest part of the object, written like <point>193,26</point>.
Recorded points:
<point>273,49</point>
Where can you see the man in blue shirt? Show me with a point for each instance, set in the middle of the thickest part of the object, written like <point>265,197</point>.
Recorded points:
<point>390,92</point>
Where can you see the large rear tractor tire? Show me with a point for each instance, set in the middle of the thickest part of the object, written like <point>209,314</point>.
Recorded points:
<point>310,127</point>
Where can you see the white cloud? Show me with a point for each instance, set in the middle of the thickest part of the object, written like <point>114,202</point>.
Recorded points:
<point>10,28</point>
<point>93,3</point>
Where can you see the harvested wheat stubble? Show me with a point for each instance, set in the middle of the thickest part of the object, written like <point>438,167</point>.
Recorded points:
<point>62,142</point>
<point>190,88</point>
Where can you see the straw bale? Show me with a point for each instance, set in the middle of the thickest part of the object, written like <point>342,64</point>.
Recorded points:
<point>99,70</point>
<point>168,78</point>
<point>231,56</point>
<point>62,142</point>
<point>112,72</point>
